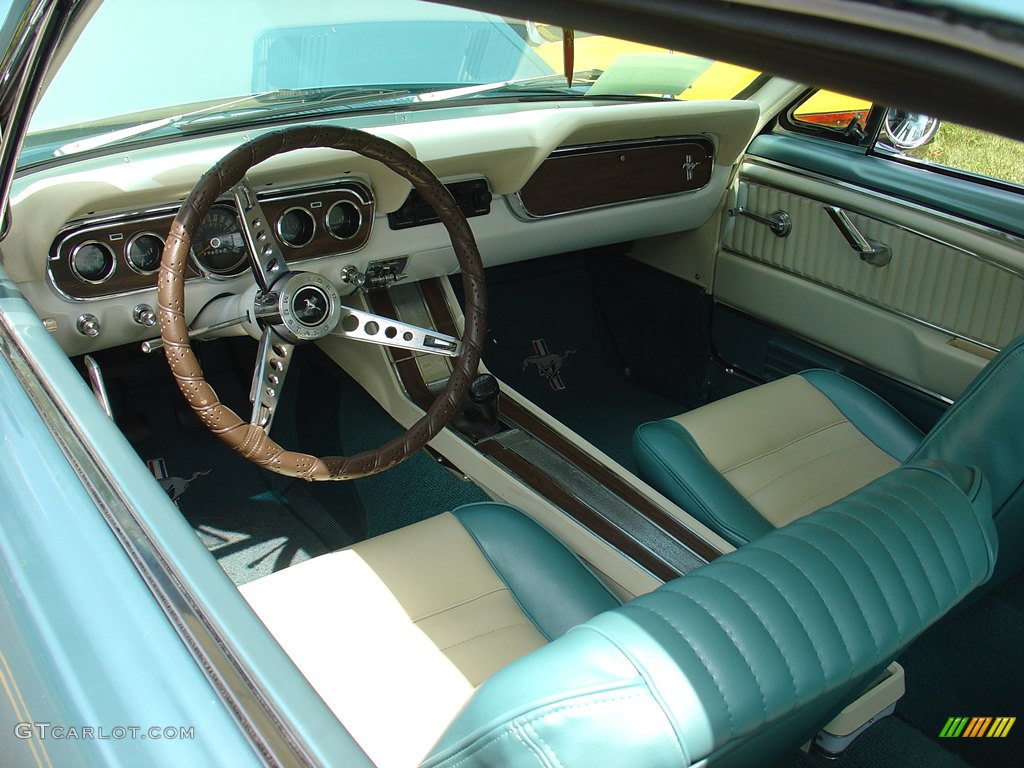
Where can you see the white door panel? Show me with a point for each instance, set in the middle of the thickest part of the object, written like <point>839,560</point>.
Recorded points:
<point>907,351</point>
<point>949,286</point>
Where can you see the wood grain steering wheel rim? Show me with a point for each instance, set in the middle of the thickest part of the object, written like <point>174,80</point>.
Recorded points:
<point>250,440</point>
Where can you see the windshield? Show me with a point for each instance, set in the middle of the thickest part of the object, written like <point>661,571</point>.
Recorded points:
<point>153,67</point>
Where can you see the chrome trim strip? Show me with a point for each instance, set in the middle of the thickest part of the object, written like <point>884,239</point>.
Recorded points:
<point>862,300</point>
<point>620,144</point>
<point>893,223</point>
<point>518,208</point>
<point>20,87</point>
<point>614,510</point>
<point>236,686</point>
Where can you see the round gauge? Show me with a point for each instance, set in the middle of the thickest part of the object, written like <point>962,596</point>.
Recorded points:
<point>218,246</point>
<point>93,261</point>
<point>144,252</point>
<point>343,219</point>
<point>296,227</point>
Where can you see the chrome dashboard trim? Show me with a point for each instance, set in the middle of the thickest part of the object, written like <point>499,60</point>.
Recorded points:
<point>359,220</point>
<point>515,204</point>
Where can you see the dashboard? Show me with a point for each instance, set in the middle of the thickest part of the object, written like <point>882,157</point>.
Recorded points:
<point>87,234</point>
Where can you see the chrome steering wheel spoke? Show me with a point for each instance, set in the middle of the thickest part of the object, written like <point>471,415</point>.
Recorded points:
<point>272,361</point>
<point>268,264</point>
<point>376,329</point>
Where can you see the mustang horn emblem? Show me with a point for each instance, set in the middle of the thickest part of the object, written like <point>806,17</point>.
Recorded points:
<point>549,365</point>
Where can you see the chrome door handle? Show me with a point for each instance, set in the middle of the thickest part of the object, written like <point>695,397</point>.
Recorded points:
<point>870,251</point>
<point>779,222</point>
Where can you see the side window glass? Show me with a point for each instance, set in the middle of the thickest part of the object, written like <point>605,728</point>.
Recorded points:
<point>951,147</point>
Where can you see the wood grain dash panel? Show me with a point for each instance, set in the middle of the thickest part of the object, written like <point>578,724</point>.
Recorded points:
<point>575,179</point>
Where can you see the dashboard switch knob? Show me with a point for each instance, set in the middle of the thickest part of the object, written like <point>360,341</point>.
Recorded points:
<point>88,325</point>
<point>144,315</point>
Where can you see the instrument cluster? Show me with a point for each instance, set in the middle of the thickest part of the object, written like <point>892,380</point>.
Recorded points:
<point>115,255</point>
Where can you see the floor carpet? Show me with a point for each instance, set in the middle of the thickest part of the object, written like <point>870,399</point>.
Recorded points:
<point>548,340</point>
<point>254,521</point>
<point>969,665</point>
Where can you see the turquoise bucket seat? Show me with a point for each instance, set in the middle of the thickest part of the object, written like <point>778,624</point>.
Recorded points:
<point>762,458</point>
<point>476,639</point>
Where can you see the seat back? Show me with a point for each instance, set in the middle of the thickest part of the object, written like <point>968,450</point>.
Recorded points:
<point>741,661</point>
<point>984,428</point>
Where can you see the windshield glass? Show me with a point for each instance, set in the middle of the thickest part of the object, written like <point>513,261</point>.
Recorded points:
<point>153,67</point>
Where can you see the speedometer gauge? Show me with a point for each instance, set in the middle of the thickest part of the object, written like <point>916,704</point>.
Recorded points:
<point>219,246</point>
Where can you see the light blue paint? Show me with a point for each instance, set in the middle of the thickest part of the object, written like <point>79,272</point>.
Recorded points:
<point>81,630</point>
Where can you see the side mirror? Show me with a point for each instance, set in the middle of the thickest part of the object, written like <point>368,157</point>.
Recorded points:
<point>908,130</point>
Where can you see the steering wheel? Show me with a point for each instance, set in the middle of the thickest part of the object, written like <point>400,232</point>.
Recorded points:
<point>292,308</point>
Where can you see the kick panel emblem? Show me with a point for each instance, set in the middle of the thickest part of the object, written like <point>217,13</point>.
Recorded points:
<point>549,365</point>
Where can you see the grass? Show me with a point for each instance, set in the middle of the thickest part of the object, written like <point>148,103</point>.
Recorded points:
<point>969,149</point>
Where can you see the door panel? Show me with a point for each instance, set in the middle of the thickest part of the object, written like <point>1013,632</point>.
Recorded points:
<point>952,293</point>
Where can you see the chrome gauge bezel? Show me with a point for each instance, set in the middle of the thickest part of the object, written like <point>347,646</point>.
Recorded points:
<point>109,272</point>
<point>279,226</point>
<point>359,220</point>
<point>128,252</point>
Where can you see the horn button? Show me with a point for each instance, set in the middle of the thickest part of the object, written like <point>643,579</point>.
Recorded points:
<point>305,306</point>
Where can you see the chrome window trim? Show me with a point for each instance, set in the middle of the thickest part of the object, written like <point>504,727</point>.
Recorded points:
<point>249,704</point>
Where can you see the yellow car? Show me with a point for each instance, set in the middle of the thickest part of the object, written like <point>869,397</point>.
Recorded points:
<point>712,80</point>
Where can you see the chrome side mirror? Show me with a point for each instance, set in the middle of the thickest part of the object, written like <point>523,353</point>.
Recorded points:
<point>904,130</point>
